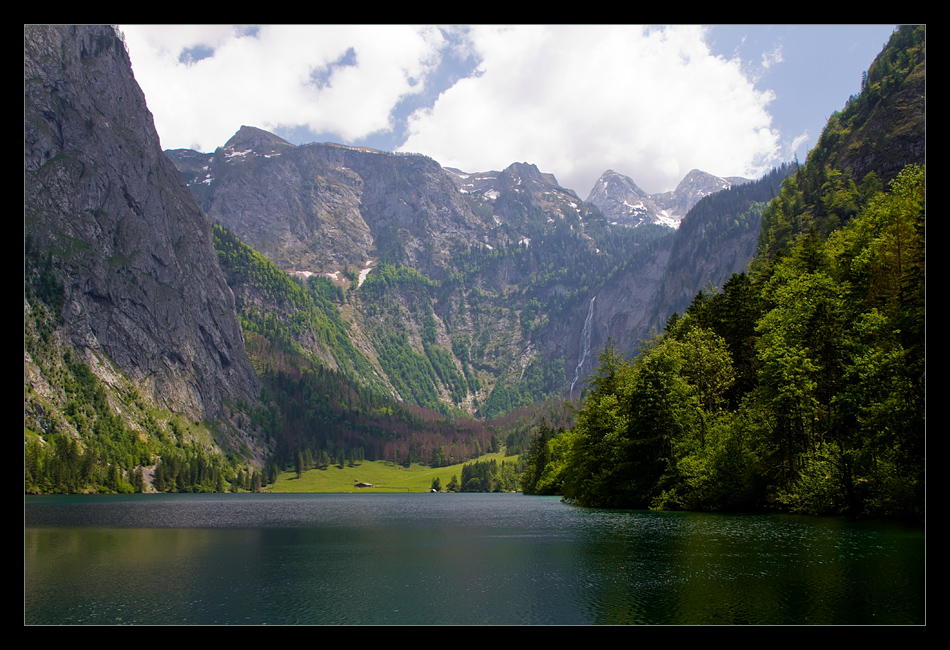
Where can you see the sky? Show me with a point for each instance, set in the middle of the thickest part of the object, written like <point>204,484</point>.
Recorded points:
<point>650,102</point>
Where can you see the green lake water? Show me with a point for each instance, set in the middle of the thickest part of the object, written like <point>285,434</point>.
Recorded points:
<point>450,559</point>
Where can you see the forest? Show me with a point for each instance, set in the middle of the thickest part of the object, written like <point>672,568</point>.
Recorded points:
<point>800,386</point>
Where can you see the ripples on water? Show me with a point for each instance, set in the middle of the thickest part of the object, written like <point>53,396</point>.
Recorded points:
<point>454,559</point>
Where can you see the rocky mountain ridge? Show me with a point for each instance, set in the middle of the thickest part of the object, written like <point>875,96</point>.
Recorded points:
<point>519,176</point>
<point>326,207</point>
<point>521,304</point>
<point>624,203</point>
<point>617,196</point>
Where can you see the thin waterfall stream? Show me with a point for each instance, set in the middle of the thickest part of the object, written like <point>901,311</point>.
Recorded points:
<point>584,345</point>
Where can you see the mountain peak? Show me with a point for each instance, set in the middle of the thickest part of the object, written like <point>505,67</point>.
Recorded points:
<point>611,181</point>
<point>525,172</point>
<point>623,202</point>
<point>249,137</point>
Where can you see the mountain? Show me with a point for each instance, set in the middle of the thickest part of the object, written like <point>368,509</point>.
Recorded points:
<point>624,203</point>
<point>324,207</point>
<point>884,127</point>
<point>518,191</point>
<point>126,310</point>
<point>717,238</point>
<point>434,267</point>
<point>206,317</point>
<point>476,291</point>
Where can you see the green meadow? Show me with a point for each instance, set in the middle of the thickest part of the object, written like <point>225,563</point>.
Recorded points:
<point>383,475</point>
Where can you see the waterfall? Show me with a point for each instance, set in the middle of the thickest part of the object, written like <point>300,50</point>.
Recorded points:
<point>584,345</point>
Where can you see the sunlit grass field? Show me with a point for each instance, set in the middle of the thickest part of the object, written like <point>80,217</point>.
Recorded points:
<point>385,476</point>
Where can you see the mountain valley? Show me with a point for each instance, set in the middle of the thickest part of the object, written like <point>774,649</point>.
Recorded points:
<point>265,303</point>
<point>507,262</point>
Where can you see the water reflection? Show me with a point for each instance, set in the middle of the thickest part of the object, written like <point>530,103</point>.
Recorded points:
<point>454,559</point>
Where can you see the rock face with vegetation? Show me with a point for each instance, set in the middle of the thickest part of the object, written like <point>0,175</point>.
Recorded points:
<point>462,290</point>
<point>141,289</point>
<point>121,276</point>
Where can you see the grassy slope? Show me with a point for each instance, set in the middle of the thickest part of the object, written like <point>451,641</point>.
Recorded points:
<point>386,475</point>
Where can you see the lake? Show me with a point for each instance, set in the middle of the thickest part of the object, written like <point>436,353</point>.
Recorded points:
<point>450,559</point>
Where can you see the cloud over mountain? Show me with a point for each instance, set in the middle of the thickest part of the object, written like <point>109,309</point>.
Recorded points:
<point>577,100</point>
<point>653,102</point>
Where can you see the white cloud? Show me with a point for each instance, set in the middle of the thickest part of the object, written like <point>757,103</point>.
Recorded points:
<point>649,103</point>
<point>796,144</point>
<point>771,58</point>
<point>269,78</point>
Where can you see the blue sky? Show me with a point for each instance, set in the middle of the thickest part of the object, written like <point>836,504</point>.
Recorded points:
<point>649,102</point>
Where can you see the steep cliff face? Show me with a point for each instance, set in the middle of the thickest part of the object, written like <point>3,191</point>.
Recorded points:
<point>623,312</point>
<point>323,207</point>
<point>884,127</point>
<point>141,291</point>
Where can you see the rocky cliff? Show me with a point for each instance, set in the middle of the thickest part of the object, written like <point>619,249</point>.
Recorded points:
<point>522,283</point>
<point>524,202</point>
<point>357,215</point>
<point>324,207</point>
<point>139,292</point>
